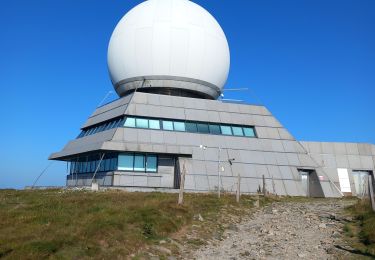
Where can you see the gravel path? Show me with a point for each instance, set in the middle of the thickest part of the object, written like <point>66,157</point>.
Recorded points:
<point>285,230</point>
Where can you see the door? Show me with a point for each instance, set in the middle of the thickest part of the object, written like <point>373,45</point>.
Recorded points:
<point>305,181</point>
<point>360,179</point>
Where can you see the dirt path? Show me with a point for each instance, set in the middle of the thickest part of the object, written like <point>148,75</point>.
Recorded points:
<point>285,230</point>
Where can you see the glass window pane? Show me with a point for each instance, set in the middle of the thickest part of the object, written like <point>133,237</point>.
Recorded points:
<point>191,127</point>
<point>113,163</point>
<point>168,125</point>
<point>154,124</point>
<point>141,123</point>
<point>72,165</point>
<point>179,126</point>
<point>130,122</point>
<point>107,163</point>
<point>152,163</point>
<point>226,130</point>
<point>249,131</point>
<point>139,162</point>
<point>215,129</point>
<point>202,128</point>
<point>237,131</point>
<point>81,134</point>
<point>102,165</point>
<point>125,162</point>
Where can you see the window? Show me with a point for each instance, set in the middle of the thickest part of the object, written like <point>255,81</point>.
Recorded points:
<point>248,131</point>
<point>139,162</point>
<point>226,130</point>
<point>168,125</point>
<point>151,163</point>
<point>237,130</point>
<point>202,128</point>
<point>125,162</point>
<point>191,127</point>
<point>130,122</point>
<point>141,123</point>
<point>214,129</point>
<point>154,124</point>
<point>179,126</point>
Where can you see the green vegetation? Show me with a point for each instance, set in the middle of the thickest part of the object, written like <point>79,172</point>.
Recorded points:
<point>362,231</point>
<point>38,224</point>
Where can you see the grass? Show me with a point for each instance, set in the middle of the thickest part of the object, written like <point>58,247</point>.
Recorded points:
<point>362,230</point>
<point>38,224</point>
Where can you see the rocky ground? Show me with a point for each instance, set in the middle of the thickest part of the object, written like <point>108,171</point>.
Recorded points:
<point>284,230</point>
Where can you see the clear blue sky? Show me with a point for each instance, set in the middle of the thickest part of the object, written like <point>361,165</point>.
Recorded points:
<point>311,62</point>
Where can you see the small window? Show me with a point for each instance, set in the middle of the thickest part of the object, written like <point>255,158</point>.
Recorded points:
<point>107,164</point>
<point>111,124</point>
<point>113,163</point>
<point>237,131</point>
<point>151,163</point>
<point>168,125</point>
<point>191,127</point>
<point>139,162</point>
<point>154,124</point>
<point>141,123</point>
<point>226,130</point>
<point>125,162</point>
<point>248,131</point>
<point>179,126</point>
<point>130,122</point>
<point>203,128</point>
<point>214,129</point>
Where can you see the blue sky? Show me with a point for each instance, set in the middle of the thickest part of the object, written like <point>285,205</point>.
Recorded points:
<point>311,62</point>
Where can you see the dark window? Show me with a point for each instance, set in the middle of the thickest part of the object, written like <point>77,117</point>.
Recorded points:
<point>202,128</point>
<point>191,127</point>
<point>215,129</point>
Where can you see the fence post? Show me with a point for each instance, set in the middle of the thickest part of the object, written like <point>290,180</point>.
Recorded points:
<point>238,188</point>
<point>182,184</point>
<point>371,191</point>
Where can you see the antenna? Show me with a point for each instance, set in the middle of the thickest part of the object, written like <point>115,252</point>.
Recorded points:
<point>105,97</point>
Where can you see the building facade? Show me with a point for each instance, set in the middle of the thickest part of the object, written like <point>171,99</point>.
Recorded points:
<point>146,139</point>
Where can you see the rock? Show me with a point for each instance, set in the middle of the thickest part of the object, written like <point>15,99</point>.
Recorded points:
<point>245,253</point>
<point>322,226</point>
<point>335,234</point>
<point>200,218</point>
<point>162,242</point>
<point>163,250</point>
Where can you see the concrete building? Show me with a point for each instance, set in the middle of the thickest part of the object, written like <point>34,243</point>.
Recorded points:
<point>169,61</point>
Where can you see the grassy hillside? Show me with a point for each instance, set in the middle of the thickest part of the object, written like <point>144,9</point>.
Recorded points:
<point>362,230</point>
<point>38,224</point>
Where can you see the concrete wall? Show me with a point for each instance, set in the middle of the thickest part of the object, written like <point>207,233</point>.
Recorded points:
<point>331,156</point>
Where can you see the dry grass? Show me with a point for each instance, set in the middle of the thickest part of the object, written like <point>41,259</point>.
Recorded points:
<point>38,224</point>
<point>362,231</point>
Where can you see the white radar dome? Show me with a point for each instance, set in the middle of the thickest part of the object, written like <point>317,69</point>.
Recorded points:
<point>170,47</point>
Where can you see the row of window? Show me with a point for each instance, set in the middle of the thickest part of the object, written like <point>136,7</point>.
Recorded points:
<point>102,127</point>
<point>88,164</point>
<point>189,126</point>
<point>112,162</point>
<point>138,162</point>
<point>172,125</point>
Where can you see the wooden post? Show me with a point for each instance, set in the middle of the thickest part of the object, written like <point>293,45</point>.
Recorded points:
<point>371,191</point>
<point>264,186</point>
<point>182,184</point>
<point>238,188</point>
